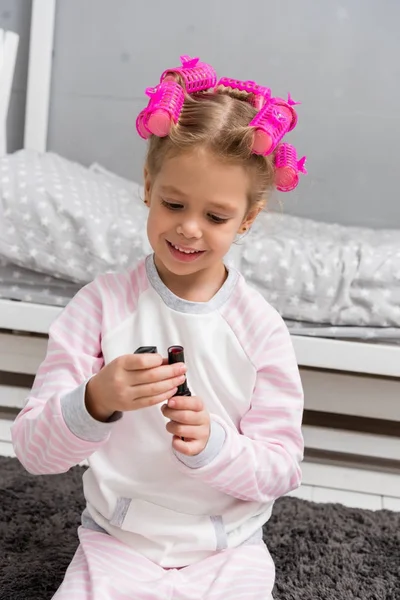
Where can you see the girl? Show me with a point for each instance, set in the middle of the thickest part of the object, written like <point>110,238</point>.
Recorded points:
<point>178,487</point>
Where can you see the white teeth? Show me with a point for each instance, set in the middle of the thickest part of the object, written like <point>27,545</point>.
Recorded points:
<point>185,251</point>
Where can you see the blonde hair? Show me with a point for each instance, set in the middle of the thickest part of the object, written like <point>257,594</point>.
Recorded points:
<point>218,122</point>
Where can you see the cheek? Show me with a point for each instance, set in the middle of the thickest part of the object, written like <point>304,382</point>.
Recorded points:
<point>158,221</point>
<point>153,224</point>
<point>154,217</point>
<point>225,237</point>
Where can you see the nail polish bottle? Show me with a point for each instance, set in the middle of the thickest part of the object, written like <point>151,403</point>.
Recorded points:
<point>176,355</point>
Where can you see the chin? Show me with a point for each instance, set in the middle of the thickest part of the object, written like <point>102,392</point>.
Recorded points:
<point>184,268</point>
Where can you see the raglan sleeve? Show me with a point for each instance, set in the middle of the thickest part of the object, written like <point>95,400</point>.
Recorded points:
<point>54,431</point>
<point>261,459</point>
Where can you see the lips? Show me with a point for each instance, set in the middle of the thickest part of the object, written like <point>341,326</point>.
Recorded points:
<point>184,254</point>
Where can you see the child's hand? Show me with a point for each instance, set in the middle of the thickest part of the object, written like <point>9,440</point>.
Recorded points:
<point>188,420</point>
<point>131,382</point>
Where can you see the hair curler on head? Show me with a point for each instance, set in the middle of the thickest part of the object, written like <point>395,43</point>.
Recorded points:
<point>167,98</point>
<point>288,167</point>
<point>196,75</point>
<point>259,94</point>
<point>163,109</point>
<point>176,355</point>
<point>271,124</point>
<point>140,127</point>
<point>286,106</point>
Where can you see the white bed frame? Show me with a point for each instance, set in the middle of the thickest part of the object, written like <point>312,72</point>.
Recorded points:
<point>8,54</point>
<point>344,378</point>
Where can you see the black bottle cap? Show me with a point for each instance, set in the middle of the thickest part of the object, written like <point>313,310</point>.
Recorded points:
<point>146,350</point>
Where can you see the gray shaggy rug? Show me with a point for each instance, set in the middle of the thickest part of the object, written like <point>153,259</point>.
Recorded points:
<point>322,552</point>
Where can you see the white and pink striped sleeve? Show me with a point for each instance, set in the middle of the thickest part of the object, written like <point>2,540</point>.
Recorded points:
<point>261,460</point>
<point>54,431</point>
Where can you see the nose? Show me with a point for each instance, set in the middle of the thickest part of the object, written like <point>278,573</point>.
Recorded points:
<point>189,228</point>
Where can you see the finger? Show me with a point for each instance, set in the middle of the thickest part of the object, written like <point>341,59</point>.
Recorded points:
<point>151,401</point>
<point>186,403</point>
<point>189,432</point>
<point>188,447</point>
<point>149,390</point>
<point>157,374</point>
<point>186,417</point>
<point>137,362</point>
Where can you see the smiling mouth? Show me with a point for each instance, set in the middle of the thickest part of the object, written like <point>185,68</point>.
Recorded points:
<point>184,254</point>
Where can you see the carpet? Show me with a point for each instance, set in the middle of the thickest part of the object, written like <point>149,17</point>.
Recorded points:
<point>322,552</point>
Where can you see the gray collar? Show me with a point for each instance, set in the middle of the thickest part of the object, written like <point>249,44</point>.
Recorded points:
<point>186,306</point>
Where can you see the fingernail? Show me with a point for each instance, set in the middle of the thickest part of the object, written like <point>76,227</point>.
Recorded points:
<point>171,403</point>
<point>182,369</point>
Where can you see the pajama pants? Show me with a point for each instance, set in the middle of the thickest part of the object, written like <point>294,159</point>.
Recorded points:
<point>105,569</point>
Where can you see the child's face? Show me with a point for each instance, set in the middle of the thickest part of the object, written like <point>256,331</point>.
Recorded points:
<point>197,206</point>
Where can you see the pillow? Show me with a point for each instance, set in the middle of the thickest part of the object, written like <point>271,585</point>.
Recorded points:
<point>60,218</point>
<point>325,273</point>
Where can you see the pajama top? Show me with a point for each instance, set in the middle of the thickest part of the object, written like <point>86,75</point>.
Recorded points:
<point>174,509</point>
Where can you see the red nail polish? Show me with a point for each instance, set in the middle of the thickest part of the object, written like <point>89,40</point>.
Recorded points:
<point>176,355</point>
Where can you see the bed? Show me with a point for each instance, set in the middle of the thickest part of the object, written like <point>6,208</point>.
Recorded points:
<point>351,375</point>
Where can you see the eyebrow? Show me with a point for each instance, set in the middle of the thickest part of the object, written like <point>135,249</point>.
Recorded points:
<point>223,207</point>
<point>170,189</point>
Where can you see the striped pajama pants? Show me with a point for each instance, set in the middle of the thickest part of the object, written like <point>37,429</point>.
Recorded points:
<point>105,569</point>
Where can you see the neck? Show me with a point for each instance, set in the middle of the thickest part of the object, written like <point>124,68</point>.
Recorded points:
<point>200,286</point>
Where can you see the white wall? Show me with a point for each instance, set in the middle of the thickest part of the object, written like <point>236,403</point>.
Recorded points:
<point>340,58</point>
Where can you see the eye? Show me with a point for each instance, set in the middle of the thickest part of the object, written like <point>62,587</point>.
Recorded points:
<point>217,220</point>
<point>171,205</point>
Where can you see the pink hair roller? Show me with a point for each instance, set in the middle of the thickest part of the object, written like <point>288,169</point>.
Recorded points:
<point>288,168</point>
<point>197,76</point>
<point>271,124</point>
<point>260,94</point>
<point>140,126</point>
<point>287,107</point>
<point>164,108</point>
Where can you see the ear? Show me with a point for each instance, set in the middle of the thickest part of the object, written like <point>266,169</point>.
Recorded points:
<point>251,217</point>
<point>147,186</point>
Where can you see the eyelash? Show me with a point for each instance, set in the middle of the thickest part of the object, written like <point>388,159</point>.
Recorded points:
<point>174,207</point>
